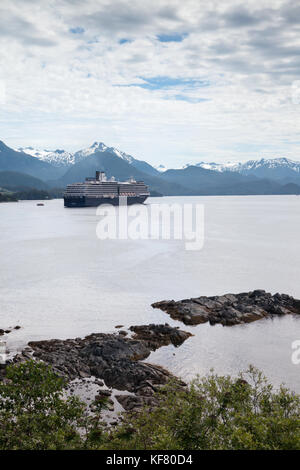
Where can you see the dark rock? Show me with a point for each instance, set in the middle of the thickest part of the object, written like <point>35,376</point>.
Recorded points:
<point>110,357</point>
<point>230,309</point>
<point>156,336</point>
<point>104,393</point>
<point>2,332</point>
<point>26,355</point>
<point>123,333</point>
<point>145,391</point>
<point>135,403</point>
<point>84,373</point>
<point>99,382</point>
<point>17,327</point>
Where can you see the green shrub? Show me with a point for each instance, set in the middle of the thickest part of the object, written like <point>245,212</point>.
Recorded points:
<point>33,411</point>
<point>216,413</point>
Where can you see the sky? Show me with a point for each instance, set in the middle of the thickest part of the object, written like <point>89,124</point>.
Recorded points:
<point>167,81</point>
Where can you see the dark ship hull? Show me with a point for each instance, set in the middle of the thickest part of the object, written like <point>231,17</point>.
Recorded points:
<point>84,201</point>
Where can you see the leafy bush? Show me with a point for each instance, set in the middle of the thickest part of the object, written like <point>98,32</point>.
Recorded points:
<point>216,413</point>
<point>33,411</point>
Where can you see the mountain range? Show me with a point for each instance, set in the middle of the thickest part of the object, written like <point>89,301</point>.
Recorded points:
<point>274,168</point>
<point>33,168</point>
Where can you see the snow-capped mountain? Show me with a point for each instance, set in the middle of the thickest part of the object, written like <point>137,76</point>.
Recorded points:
<point>221,167</point>
<point>56,158</point>
<point>275,168</point>
<point>62,158</point>
<point>273,163</point>
<point>101,147</point>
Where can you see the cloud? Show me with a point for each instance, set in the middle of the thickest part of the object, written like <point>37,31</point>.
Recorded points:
<point>239,17</point>
<point>19,28</point>
<point>116,17</point>
<point>165,80</point>
<point>290,12</point>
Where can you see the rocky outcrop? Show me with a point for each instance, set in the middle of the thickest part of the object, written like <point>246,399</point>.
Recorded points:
<point>111,357</point>
<point>230,309</point>
<point>134,402</point>
<point>155,336</point>
<point>145,394</point>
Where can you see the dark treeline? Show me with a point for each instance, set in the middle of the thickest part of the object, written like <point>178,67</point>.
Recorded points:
<point>7,197</point>
<point>39,194</point>
<point>31,194</point>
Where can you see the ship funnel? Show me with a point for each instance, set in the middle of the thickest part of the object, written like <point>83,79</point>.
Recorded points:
<point>100,176</point>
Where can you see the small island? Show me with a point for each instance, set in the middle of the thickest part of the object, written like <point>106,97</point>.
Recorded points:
<point>230,309</point>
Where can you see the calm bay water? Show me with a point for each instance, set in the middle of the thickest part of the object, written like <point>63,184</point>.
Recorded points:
<point>58,280</point>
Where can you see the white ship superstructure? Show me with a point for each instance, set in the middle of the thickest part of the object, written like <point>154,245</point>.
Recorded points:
<point>99,190</point>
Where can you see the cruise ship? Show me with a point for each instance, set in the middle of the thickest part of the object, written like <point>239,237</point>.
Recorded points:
<point>100,190</point>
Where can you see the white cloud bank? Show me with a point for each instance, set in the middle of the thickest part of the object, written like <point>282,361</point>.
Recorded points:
<point>167,81</point>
